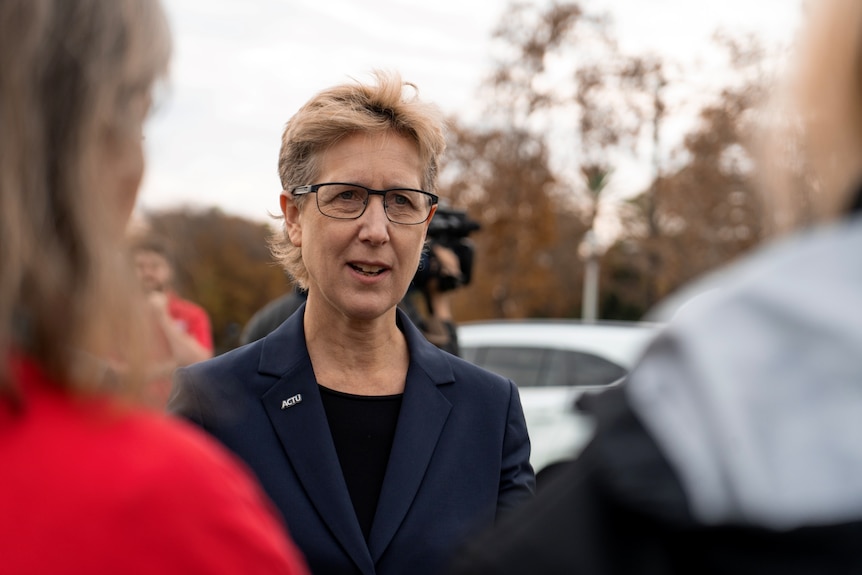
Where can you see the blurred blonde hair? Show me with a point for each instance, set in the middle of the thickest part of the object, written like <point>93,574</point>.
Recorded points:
<point>71,74</point>
<point>333,114</point>
<point>820,134</point>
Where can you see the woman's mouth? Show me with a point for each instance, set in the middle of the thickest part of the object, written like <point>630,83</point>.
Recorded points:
<point>368,270</point>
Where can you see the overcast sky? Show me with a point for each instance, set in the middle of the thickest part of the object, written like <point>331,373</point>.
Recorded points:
<point>241,68</point>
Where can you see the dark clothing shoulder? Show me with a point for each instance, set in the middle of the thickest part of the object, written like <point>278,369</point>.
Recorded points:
<point>620,509</point>
<point>271,316</point>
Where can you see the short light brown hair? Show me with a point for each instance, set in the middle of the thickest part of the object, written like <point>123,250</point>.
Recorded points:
<point>333,114</point>
<point>71,74</point>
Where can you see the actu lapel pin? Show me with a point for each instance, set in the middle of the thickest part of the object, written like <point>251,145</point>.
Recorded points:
<point>291,401</point>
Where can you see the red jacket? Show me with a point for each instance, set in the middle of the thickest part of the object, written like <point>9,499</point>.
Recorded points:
<point>193,319</point>
<point>90,487</point>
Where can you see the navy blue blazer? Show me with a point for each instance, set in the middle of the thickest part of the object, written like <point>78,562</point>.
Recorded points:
<point>460,455</point>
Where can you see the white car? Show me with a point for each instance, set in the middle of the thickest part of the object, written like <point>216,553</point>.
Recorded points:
<point>553,362</point>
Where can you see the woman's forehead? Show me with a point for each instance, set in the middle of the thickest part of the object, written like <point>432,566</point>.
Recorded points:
<point>360,157</point>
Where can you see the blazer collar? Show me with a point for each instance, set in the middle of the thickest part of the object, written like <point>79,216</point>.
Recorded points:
<point>284,349</point>
<point>304,433</point>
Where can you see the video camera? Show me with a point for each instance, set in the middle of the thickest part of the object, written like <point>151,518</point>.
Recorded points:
<point>449,228</point>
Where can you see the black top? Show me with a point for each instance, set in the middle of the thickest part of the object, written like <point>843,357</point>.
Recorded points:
<point>362,428</point>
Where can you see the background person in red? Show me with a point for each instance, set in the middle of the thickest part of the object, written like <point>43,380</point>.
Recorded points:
<point>183,331</point>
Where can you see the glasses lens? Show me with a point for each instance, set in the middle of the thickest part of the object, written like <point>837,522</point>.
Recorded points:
<point>407,206</point>
<point>347,201</point>
<point>341,200</point>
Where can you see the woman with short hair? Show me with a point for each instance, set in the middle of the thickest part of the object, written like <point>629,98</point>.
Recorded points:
<point>382,451</point>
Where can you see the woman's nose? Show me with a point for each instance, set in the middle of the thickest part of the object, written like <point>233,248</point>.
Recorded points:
<point>375,222</point>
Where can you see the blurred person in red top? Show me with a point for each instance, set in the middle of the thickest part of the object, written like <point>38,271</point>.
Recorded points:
<point>183,333</point>
<point>91,483</point>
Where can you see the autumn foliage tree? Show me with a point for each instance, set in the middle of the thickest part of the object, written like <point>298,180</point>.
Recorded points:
<point>562,77</point>
<point>502,178</point>
<point>708,210</point>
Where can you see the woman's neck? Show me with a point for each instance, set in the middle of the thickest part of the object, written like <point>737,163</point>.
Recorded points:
<point>354,356</point>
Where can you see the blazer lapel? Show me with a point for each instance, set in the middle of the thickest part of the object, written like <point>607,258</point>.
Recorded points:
<point>296,411</point>
<point>424,412</point>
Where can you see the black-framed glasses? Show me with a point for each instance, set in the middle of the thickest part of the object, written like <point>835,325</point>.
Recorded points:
<point>344,201</point>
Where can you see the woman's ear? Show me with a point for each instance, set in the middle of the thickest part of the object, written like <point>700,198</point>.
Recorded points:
<point>428,221</point>
<point>291,214</point>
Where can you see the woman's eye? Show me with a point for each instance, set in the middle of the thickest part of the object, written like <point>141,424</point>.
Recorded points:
<point>401,199</point>
<point>348,195</point>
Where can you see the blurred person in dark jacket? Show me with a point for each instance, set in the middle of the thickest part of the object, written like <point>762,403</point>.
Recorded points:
<point>266,319</point>
<point>734,446</point>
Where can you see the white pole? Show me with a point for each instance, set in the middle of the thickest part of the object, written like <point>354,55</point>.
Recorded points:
<point>591,290</point>
<point>590,303</point>
<point>590,255</point>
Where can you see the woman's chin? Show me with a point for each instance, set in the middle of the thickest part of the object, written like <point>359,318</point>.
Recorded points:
<point>368,308</point>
